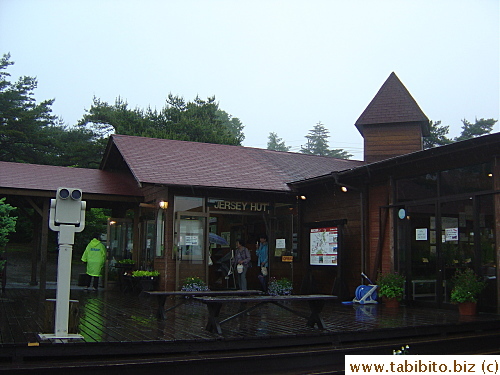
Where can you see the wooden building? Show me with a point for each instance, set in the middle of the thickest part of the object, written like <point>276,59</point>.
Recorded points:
<point>421,212</point>
<point>233,192</point>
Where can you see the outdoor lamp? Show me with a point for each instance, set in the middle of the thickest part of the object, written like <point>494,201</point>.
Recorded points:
<point>163,205</point>
<point>344,189</point>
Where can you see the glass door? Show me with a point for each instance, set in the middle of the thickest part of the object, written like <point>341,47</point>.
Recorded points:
<point>120,240</point>
<point>281,227</point>
<point>191,247</point>
<point>486,248</point>
<point>417,228</point>
<point>457,241</point>
<point>146,257</point>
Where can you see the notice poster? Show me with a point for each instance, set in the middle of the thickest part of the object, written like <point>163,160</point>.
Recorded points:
<point>324,246</point>
<point>421,234</point>
<point>451,234</point>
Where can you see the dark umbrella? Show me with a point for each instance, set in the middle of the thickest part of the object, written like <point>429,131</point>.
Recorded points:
<point>213,238</point>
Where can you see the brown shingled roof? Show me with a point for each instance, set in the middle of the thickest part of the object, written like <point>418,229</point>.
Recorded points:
<point>171,162</point>
<point>393,104</point>
<point>49,178</point>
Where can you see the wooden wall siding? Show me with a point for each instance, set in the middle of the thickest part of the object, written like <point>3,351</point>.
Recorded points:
<point>169,282</point>
<point>326,202</point>
<point>383,141</point>
<point>378,196</point>
<point>153,193</point>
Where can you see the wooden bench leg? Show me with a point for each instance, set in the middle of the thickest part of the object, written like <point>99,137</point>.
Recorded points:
<point>213,324</point>
<point>243,307</point>
<point>161,307</point>
<point>316,307</point>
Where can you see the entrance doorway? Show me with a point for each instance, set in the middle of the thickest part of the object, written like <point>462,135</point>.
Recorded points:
<point>233,227</point>
<point>190,252</point>
<point>119,244</point>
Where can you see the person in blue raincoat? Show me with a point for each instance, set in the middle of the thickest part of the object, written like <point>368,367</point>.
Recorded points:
<point>95,256</point>
<point>263,261</point>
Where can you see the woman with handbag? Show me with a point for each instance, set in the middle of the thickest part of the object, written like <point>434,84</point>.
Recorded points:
<point>263,261</point>
<point>242,262</point>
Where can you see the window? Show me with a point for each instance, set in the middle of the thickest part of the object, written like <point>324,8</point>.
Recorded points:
<point>421,187</point>
<point>160,233</point>
<point>466,180</point>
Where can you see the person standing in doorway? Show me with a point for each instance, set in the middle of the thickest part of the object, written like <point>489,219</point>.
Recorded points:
<point>263,261</point>
<point>95,256</point>
<point>242,263</point>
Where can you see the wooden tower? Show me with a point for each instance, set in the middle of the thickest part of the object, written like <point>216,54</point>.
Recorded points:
<point>393,124</point>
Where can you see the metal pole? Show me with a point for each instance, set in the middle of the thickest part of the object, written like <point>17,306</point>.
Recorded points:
<point>63,290</point>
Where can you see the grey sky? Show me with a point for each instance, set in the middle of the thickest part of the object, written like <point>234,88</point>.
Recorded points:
<point>279,66</point>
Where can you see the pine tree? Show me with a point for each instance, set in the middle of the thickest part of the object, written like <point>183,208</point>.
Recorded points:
<point>276,143</point>
<point>317,141</point>
<point>437,135</point>
<point>479,128</point>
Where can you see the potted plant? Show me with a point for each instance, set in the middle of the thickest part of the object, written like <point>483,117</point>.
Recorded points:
<point>280,287</point>
<point>194,284</point>
<point>126,261</point>
<point>391,286</point>
<point>466,288</point>
<point>125,265</point>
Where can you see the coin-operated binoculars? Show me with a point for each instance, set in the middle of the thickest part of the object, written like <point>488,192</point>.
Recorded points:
<point>66,216</point>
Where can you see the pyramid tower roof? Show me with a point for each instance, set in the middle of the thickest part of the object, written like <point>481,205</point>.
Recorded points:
<point>393,103</point>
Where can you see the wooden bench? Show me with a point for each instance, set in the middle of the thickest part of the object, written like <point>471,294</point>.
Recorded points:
<point>186,296</point>
<point>214,304</point>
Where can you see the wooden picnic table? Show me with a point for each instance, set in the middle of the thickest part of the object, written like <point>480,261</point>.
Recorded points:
<point>214,304</point>
<point>162,297</point>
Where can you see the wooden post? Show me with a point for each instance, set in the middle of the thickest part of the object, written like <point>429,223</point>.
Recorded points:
<point>43,244</point>
<point>37,224</point>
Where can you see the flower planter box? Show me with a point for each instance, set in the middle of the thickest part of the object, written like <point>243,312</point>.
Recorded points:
<point>467,308</point>
<point>148,283</point>
<point>391,303</point>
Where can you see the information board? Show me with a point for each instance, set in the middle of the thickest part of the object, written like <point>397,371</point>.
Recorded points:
<point>324,246</point>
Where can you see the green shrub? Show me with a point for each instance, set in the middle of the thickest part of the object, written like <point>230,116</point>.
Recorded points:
<point>391,285</point>
<point>467,286</point>
<point>140,273</point>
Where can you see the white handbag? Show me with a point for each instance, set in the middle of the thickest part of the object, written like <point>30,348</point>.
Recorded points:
<point>263,270</point>
<point>239,268</point>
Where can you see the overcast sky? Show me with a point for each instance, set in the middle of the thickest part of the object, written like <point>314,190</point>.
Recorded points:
<point>278,66</point>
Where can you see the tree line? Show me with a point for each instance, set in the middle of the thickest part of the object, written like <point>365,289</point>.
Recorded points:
<point>31,133</point>
<point>317,138</point>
